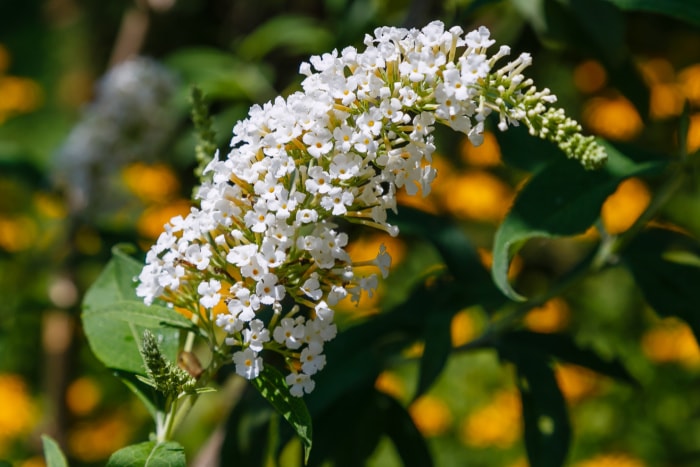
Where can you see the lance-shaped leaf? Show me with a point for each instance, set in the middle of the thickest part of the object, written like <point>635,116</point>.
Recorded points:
<point>52,453</point>
<point>150,454</point>
<point>117,282</point>
<point>274,389</point>
<point>545,417</point>
<point>560,200</point>
<point>682,10</point>
<point>666,266</point>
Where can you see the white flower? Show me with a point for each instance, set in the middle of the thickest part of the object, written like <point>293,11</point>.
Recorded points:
<point>299,383</point>
<point>208,291</point>
<point>312,360</point>
<point>256,335</point>
<point>248,364</point>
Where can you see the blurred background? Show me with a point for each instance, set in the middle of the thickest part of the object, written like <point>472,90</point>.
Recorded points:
<point>97,148</point>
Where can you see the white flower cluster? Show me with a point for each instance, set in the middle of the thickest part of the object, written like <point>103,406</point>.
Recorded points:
<point>129,120</point>
<point>264,241</point>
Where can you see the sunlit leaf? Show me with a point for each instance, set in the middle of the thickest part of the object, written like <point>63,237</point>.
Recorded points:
<point>296,34</point>
<point>149,454</point>
<point>52,453</point>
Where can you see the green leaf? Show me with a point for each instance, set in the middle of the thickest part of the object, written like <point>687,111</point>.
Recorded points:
<point>563,347</point>
<point>296,34</point>
<point>114,332</point>
<point>117,282</point>
<point>683,10</point>
<point>52,453</point>
<point>666,266</point>
<point>438,345</point>
<point>409,443</point>
<point>248,431</point>
<point>560,200</point>
<point>272,386</point>
<point>149,454</point>
<point>545,417</point>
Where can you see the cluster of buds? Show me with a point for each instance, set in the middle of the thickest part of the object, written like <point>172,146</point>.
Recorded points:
<point>264,244</point>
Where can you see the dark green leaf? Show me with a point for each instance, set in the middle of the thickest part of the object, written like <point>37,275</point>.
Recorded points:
<point>247,436</point>
<point>562,199</point>
<point>545,417</point>
<point>666,266</point>
<point>114,332</point>
<point>410,444</point>
<point>563,347</point>
<point>149,454</point>
<point>274,389</point>
<point>438,345</point>
<point>458,253</point>
<point>683,10</point>
<point>52,453</point>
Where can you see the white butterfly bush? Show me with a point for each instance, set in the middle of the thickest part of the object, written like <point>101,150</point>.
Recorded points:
<point>264,242</point>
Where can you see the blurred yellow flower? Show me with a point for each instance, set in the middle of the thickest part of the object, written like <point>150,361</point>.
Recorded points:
<point>625,205</point>
<point>612,117</point>
<point>666,100</point>
<point>151,222</point>
<point>50,206</point>
<point>19,95</point>
<point>390,383</point>
<point>671,341</point>
<point>553,316</point>
<point>487,154</point>
<point>589,76</point>
<point>689,80</point>
<point>17,233</point>
<point>431,415</point>
<point>611,460</point>
<point>693,143</point>
<point>83,395</point>
<point>496,424</point>
<point>657,70</point>
<point>155,183</point>
<point>477,195</point>
<point>36,461</point>
<point>576,382</point>
<point>98,439</point>
<point>462,328</point>
<point>18,413</point>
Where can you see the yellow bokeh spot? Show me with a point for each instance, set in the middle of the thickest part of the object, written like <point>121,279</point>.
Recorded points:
<point>390,383</point>
<point>487,154</point>
<point>671,341</point>
<point>17,233</point>
<point>693,142</point>
<point>497,424</point>
<point>431,415</point>
<point>553,316</point>
<point>18,414</point>
<point>665,100</point>
<point>415,350</point>
<point>155,183</point>
<point>576,383</point>
<point>657,70</point>
<point>19,95</point>
<point>150,224</point>
<point>589,76</point>
<point>625,205</point>
<point>50,206</point>
<point>36,461</point>
<point>462,328</point>
<point>477,195</point>
<point>366,247</point>
<point>96,440</point>
<point>612,117</point>
<point>689,80</point>
<point>611,460</point>
<point>83,395</point>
